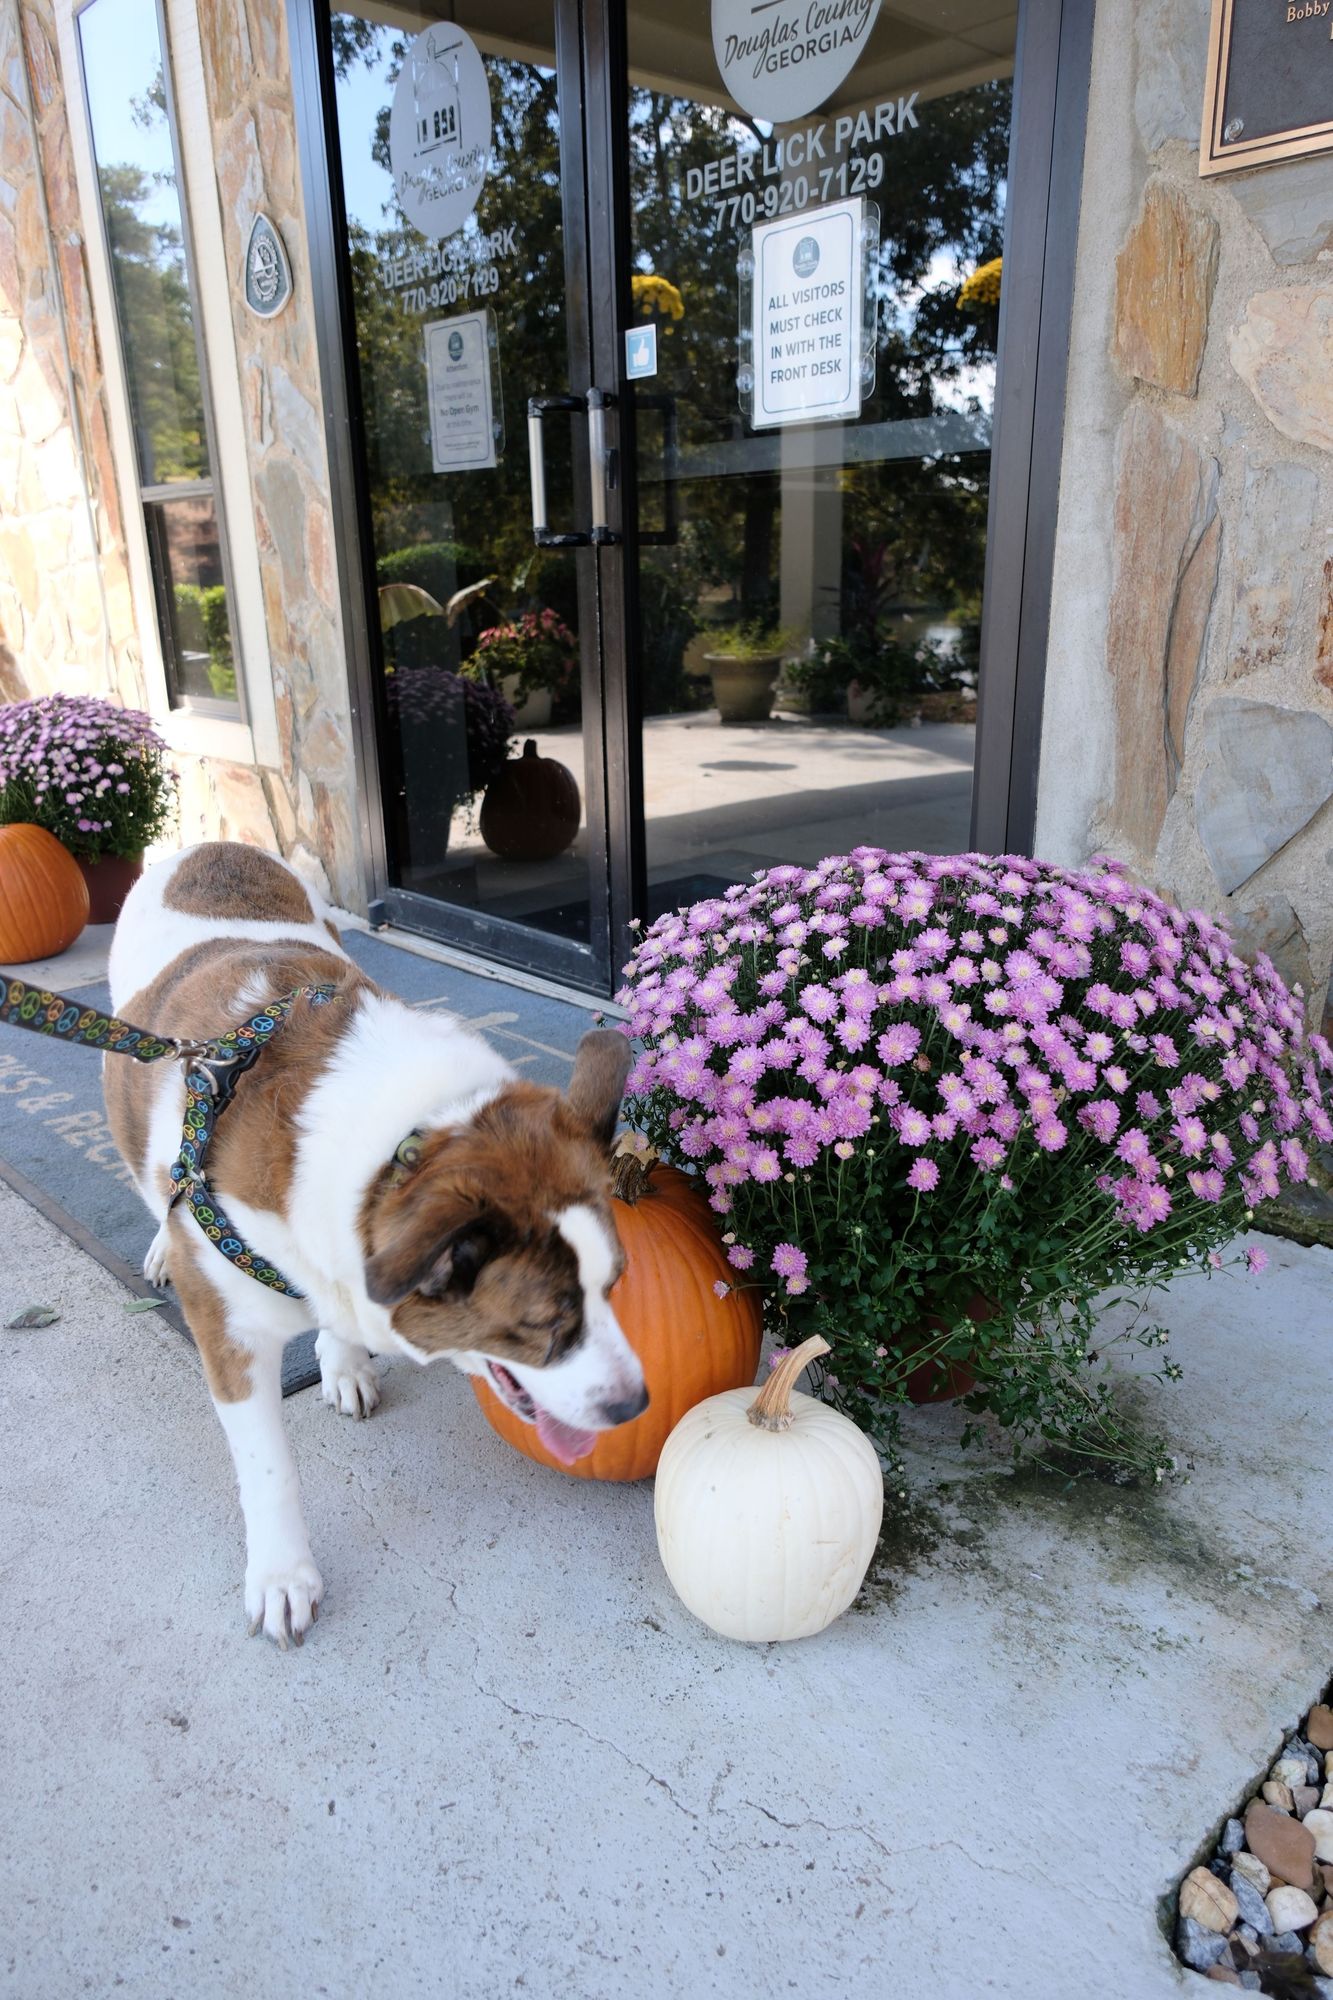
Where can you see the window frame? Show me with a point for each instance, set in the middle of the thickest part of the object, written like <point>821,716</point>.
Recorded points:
<point>244,731</point>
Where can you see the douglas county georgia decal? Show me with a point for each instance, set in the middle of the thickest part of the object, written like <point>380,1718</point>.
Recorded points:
<point>780,58</point>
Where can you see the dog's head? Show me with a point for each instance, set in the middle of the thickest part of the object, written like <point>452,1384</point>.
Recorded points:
<point>498,1250</point>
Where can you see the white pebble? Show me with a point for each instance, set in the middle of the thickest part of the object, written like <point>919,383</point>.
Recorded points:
<point>1252,1868</point>
<point>1320,1824</point>
<point>1290,1909</point>
<point>1278,1796</point>
<point>1289,1771</point>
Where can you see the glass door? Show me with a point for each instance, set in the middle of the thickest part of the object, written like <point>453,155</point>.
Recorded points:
<point>816,215</point>
<point>458,157</point>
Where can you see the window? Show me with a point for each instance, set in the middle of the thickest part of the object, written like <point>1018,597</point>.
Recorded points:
<point>135,155</point>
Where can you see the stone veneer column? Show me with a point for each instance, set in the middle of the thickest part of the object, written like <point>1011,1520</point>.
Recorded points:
<point>1210,306</point>
<point>313,797</point>
<point>66,616</point>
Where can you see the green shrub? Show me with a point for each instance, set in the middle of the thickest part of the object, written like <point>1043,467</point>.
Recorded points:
<point>439,567</point>
<point>203,625</point>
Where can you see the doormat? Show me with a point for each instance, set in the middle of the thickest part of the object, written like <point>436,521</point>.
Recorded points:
<point>58,1149</point>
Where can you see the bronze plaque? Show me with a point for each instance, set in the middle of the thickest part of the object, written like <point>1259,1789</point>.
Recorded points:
<point>1269,90</point>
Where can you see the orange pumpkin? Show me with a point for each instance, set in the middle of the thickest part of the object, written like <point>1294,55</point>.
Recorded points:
<point>43,896</point>
<point>691,1344</point>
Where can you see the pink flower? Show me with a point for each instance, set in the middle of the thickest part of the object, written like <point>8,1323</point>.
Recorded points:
<point>1101,1118</point>
<point>923,1175</point>
<point>789,1262</point>
<point>898,1044</point>
<point>740,1256</point>
<point>720,1288</point>
<point>1256,1258</point>
<point>913,1127</point>
<point>1191,1136</point>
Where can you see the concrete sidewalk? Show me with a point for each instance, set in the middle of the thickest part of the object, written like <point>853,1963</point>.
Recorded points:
<point>509,1761</point>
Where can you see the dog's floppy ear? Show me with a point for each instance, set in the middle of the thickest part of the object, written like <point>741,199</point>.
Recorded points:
<point>598,1083</point>
<point>435,1244</point>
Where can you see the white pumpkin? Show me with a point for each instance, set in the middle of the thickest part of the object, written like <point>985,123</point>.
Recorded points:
<point>768,1508</point>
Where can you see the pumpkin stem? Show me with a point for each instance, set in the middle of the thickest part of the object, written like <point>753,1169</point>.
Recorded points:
<point>631,1165</point>
<point>771,1409</point>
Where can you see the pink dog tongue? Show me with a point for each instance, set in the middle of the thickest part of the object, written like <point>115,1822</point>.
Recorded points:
<point>563,1441</point>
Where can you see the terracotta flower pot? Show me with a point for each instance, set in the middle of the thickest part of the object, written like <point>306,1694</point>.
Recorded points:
<point>110,878</point>
<point>743,684</point>
<point>931,1383</point>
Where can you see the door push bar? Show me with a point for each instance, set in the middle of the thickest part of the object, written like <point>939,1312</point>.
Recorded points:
<point>600,464</point>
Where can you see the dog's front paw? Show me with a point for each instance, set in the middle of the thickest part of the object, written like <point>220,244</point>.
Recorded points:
<point>155,1264</point>
<point>282,1600</point>
<point>346,1376</point>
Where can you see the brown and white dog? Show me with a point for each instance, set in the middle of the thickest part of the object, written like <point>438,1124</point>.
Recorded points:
<point>496,1249</point>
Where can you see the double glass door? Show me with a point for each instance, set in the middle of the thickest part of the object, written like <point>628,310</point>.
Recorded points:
<point>671,342</point>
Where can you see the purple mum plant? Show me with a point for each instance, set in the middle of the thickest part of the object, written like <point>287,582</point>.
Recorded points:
<point>942,1105</point>
<point>433,697</point>
<point>91,773</point>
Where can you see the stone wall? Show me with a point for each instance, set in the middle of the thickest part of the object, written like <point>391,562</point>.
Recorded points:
<point>313,799</point>
<point>1189,712</point>
<point>66,615</point>
<point>66,619</point>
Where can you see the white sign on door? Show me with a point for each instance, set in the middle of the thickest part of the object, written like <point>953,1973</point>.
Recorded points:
<point>440,130</point>
<point>462,414</point>
<point>807,309</point>
<point>780,58</point>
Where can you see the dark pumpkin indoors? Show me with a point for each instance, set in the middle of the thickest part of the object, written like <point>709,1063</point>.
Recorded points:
<point>531,810</point>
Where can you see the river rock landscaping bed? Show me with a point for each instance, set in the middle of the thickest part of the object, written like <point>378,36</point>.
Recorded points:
<point>1259,1914</point>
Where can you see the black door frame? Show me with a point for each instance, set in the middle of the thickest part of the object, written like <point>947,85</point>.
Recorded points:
<point>494,937</point>
<point>1051,75</point>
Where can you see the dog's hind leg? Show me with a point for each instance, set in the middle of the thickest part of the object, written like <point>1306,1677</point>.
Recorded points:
<point>347,1375</point>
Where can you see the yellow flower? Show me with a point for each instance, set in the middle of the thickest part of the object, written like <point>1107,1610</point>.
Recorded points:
<point>652,294</point>
<point>982,289</point>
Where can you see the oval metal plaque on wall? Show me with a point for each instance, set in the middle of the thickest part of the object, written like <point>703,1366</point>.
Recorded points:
<point>268,274</point>
<point>781,58</point>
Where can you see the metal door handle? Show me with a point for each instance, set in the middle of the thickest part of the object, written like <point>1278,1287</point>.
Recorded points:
<point>541,534</point>
<point>598,462</point>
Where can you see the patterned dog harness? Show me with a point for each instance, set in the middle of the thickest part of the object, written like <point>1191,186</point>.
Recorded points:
<point>213,1070</point>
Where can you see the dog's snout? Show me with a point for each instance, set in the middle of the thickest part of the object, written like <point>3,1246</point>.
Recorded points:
<point>628,1408</point>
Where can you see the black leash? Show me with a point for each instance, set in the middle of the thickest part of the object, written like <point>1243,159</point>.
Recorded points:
<point>214,1069</point>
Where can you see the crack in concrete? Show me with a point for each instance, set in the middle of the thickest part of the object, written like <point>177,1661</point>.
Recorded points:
<point>581,1729</point>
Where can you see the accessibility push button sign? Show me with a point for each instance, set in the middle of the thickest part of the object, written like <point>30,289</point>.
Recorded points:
<point>807,316</point>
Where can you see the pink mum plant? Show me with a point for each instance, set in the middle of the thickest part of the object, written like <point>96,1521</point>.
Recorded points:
<point>911,1082</point>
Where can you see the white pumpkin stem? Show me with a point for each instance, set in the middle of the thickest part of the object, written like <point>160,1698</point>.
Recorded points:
<point>771,1409</point>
